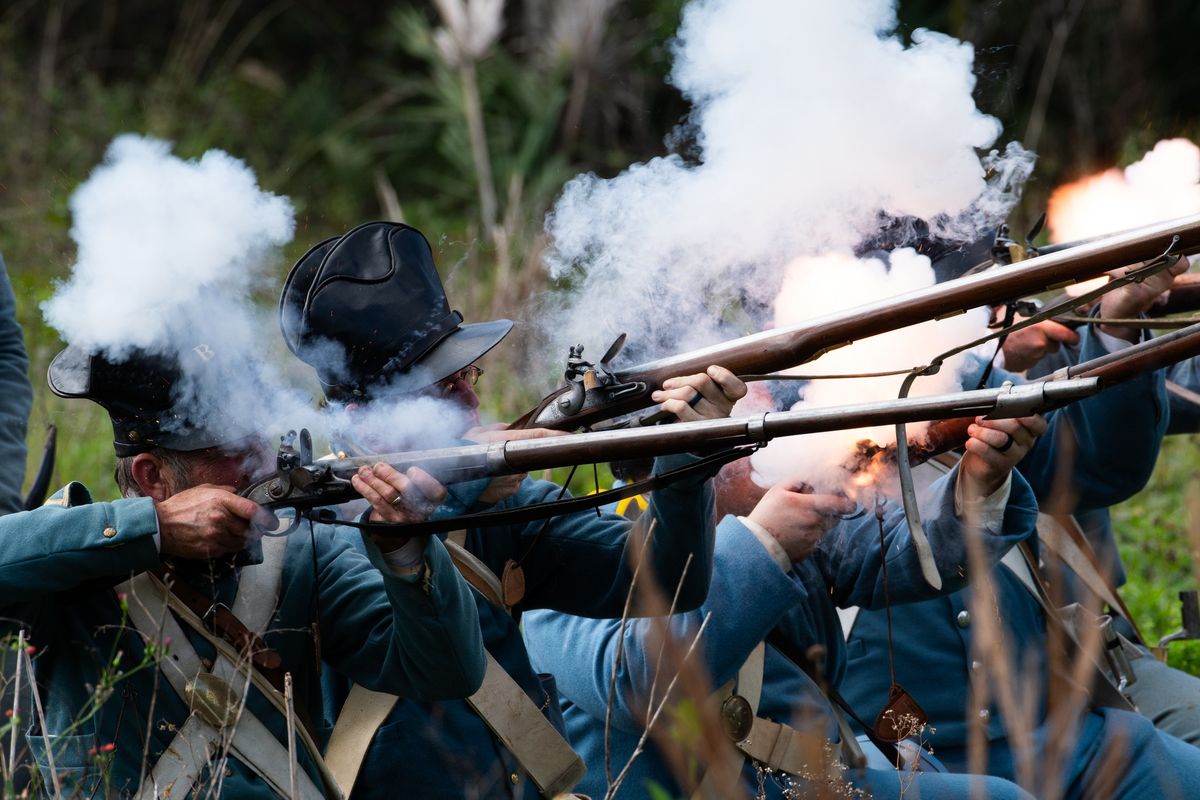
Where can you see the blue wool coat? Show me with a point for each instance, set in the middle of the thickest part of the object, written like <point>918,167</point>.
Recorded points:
<point>1113,439</point>
<point>750,596</point>
<point>1154,408</point>
<point>577,563</point>
<point>413,636</point>
<point>16,397</point>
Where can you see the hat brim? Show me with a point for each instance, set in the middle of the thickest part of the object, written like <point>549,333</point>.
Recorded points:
<point>460,349</point>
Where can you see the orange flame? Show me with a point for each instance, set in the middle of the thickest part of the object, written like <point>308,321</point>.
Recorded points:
<point>1164,184</point>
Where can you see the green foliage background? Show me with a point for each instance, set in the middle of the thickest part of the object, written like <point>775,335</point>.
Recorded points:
<point>349,109</point>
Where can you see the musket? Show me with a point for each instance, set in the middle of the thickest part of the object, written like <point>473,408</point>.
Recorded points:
<point>600,391</point>
<point>303,484</point>
<point>1110,369</point>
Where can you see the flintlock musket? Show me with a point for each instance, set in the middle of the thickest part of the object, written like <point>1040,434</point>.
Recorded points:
<point>600,391</point>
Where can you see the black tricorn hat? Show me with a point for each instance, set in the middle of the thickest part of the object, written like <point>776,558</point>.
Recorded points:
<point>142,397</point>
<point>375,293</point>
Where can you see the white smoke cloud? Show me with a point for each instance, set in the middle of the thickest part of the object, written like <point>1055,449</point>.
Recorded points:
<point>169,253</point>
<point>161,242</point>
<point>810,120</point>
<point>807,285</point>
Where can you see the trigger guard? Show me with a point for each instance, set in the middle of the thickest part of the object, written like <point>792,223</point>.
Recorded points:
<point>272,534</point>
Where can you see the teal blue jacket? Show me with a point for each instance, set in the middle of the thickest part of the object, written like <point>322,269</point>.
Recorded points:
<point>577,563</point>
<point>16,397</point>
<point>58,565</point>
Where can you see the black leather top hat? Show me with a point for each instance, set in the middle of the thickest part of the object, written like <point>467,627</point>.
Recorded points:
<point>375,294</point>
<point>140,395</point>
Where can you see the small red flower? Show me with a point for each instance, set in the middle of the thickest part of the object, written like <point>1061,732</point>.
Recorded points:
<point>108,748</point>
<point>8,712</point>
<point>30,650</point>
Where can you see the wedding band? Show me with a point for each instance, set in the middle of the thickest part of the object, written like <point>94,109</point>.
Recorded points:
<point>695,400</point>
<point>1008,444</point>
<point>399,501</point>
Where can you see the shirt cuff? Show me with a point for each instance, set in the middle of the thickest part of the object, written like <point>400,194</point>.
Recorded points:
<point>408,558</point>
<point>989,511</point>
<point>769,542</point>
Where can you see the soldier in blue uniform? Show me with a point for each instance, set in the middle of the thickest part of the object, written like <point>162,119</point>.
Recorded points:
<point>1168,696</point>
<point>1114,440</point>
<point>79,577</point>
<point>375,294</point>
<point>16,396</point>
<point>778,569</point>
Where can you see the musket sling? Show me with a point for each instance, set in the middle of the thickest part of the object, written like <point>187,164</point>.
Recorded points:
<point>210,692</point>
<point>501,703</point>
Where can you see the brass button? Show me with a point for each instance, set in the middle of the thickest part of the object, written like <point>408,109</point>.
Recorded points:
<point>110,532</point>
<point>963,619</point>
<point>984,714</point>
<point>514,778</point>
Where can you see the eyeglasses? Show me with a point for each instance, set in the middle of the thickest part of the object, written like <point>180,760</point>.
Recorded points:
<point>469,374</point>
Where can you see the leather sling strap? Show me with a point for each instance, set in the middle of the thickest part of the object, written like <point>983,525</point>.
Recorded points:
<point>1022,563</point>
<point>1062,536</point>
<point>501,703</point>
<point>217,695</point>
<point>474,571</point>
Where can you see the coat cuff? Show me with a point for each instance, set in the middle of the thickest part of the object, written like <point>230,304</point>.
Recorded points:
<point>769,542</point>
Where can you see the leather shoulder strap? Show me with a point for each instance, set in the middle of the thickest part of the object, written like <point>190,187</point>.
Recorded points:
<point>1063,536</point>
<point>474,571</point>
<point>209,694</point>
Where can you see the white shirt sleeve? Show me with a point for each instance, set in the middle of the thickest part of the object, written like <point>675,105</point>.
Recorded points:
<point>989,511</point>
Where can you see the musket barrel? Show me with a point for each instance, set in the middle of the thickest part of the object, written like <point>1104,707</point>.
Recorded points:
<point>782,348</point>
<point>310,486</point>
<point>682,437</point>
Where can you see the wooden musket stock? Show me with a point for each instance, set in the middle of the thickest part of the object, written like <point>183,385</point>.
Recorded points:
<point>782,348</point>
